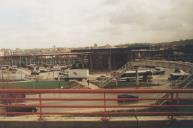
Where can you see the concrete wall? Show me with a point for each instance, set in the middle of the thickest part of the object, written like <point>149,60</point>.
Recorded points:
<point>97,124</point>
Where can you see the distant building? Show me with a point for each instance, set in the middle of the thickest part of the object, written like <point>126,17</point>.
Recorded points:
<point>5,52</point>
<point>1,52</point>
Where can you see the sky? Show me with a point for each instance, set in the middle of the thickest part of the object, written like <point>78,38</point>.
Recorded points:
<point>79,23</point>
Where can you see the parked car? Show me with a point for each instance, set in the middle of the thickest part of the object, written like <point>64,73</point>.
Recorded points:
<point>13,69</point>
<point>124,98</point>
<point>102,77</point>
<point>3,68</point>
<point>34,72</point>
<point>23,108</point>
<point>43,69</point>
<point>159,71</point>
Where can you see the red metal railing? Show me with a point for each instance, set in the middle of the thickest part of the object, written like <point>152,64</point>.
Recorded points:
<point>99,102</point>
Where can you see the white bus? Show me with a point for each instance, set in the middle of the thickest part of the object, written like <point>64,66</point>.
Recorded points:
<point>142,75</point>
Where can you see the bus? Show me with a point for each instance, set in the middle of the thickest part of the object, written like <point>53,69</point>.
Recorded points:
<point>143,75</point>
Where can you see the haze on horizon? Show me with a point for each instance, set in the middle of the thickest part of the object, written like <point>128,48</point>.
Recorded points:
<point>77,23</point>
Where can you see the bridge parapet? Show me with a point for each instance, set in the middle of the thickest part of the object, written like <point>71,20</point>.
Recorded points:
<point>60,102</point>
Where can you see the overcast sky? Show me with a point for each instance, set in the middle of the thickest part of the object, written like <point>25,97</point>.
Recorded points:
<point>74,23</point>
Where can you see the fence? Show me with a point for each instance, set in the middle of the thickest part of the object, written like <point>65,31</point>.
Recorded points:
<point>99,102</point>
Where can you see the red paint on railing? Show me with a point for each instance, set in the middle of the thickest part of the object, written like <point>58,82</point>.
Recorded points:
<point>103,109</point>
<point>38,91</point>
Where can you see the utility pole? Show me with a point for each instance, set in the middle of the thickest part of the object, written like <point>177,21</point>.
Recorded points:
<point>137,76</point>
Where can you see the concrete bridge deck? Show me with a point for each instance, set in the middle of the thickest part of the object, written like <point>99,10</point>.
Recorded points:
<point>96,122</point>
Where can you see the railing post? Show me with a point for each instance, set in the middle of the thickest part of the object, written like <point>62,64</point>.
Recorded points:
<point>105,109</point>
<point>105,118</point>
<point>177,96</point>
<point>171,117</point>
<point>40,107</point>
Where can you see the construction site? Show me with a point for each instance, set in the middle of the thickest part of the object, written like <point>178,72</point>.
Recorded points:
<point>96,64</point>
<point>104,87</point>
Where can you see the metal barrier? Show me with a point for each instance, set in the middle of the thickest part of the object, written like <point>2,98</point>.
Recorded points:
<point>108,105</point>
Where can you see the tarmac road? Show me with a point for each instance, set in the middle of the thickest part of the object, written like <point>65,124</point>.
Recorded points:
<point>74,103</point>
